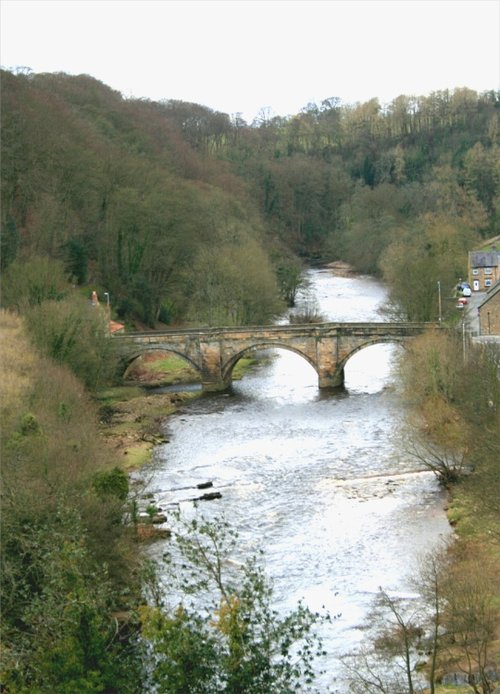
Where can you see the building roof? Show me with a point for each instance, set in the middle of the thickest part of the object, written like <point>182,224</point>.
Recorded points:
<point>492,291</point>
<point>484,258</point>
<point>115,327</point>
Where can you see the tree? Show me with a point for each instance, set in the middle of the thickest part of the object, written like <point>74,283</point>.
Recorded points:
<point>30,282</point>
<point>226,637</point>
<point>61,635</point>
<point>429,584</point>
<point>291,280</point>
<point>127,191</point>
<point>67,563</point>
<point>472,613</point>
<point>77,260</point>
<point>452,621</point>
<point>448,461</point>
<point>453,405</point>
<point>454,428</point>
<point>439,431</point>
<point>431,251</point>
<point>74,332</point>
<point>233,284</point>
<point>370,220</point>
<point>395,643</point>
<point>482,174</point>
<point>303,194</point>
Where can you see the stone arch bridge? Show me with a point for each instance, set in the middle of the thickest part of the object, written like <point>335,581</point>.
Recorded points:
<point>215,351</point>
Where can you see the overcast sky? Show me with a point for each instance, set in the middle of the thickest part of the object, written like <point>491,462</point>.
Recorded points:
<point>245,55</point>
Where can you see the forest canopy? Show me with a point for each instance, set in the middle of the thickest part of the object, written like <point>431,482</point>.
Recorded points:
<point>182,213</point>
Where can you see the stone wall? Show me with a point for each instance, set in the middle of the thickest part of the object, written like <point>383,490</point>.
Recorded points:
<point>489,316</point>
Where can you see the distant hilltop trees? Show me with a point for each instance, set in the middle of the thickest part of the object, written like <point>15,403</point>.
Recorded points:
<point>182,213</point>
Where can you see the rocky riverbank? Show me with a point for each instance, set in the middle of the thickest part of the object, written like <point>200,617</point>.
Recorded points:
<point>132,421</point>
<point>132,416</point>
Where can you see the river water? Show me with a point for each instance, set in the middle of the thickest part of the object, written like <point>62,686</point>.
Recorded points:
<point>319,481</point>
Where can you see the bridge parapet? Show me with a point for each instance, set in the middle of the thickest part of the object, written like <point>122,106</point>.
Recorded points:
<point>215,351</point>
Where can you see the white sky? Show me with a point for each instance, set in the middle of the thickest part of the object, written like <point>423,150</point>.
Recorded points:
<point>245,55</point>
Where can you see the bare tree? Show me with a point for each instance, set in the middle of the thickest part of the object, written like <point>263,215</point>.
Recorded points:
<point>389,667</point>
<point>472,614</point>
<point>430,584</point>
<point>449,465</point>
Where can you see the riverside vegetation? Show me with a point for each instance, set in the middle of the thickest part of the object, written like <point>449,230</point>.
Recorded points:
<point>453,425</point>
<point>68,527</point>
<point>79,602</point>
<point>187,216</point>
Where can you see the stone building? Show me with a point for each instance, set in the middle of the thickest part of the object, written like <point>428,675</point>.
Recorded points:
<point>484,265</point>
<point>489,312</point>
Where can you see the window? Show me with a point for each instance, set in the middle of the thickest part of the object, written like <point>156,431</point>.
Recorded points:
<point>475,271</point>
<point>487,271</point>
<point>487,283</point>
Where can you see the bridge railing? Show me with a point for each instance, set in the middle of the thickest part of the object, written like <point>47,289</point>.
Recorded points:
<point>298,328</point>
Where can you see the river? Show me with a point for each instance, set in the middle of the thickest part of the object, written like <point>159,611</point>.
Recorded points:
<point>320,481</point>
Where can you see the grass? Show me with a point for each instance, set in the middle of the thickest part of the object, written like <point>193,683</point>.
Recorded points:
<point>132,420</point>
<point>436,374</point>
<point>137,455</point>
<point>118,394</point>
<point>244,366</point>
<point>460,514</point>
<point>474,508</point>
<point>170,369</point>
<point>17,367</point>
<point>160,368</point>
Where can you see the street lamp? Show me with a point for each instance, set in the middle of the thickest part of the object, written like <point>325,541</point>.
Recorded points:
<point>439,301</point>
<point>106,294</point>
<point>464,351</point>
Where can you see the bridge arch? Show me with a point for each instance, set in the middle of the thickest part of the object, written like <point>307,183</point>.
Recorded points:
<point>228,366</point>
<point>371,343</point>
<point>341,364</point>
<point>127,362</point>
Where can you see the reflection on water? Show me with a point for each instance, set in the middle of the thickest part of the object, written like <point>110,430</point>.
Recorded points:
<point>320,481</point>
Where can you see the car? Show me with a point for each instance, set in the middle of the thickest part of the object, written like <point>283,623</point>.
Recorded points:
<point>463,289</point>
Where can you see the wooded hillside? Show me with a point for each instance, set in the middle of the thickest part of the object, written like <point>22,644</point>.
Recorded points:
<point>183,214</point>
<point>186,214</point>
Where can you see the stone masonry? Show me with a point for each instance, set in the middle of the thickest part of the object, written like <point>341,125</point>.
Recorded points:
<point>215,351</point>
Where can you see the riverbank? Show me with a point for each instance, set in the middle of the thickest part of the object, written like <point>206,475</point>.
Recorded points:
<point>471,581</point>
<point>132,416</point>
<point>341,269</point>
<point>131,421</point>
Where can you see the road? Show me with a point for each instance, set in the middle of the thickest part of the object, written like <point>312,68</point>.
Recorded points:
<point>471,314</point>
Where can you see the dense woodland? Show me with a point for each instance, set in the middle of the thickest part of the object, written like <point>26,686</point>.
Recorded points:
<point>188,216</point>
<point>184,214</point>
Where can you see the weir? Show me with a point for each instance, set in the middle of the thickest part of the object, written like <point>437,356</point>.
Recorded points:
<point>215,351</point>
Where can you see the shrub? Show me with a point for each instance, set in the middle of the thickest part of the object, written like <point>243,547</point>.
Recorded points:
<point>74,332</point>
<point>113,483</point>
<point>31,282</point>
